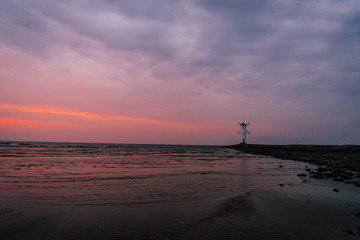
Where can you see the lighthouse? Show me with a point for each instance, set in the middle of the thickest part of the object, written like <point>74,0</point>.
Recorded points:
<point>243,131</point>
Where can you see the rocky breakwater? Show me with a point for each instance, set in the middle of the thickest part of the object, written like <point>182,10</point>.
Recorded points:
<point>336,174</point>
<point>337,162</point>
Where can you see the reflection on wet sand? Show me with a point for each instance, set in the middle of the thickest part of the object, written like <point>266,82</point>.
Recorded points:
<point>94,191</point>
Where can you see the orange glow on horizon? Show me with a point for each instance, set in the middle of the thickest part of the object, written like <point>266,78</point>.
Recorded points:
<point>102,117</point>
<point>52,111</point>
<point>16,122</point>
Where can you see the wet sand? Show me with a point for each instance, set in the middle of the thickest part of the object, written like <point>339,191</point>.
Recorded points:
<point>302,216</point>
<point>310,218</point>
<point>182,193</point>
<point>255,215</point>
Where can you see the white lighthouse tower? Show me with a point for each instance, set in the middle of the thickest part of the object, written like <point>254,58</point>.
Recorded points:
<point>243,131</point>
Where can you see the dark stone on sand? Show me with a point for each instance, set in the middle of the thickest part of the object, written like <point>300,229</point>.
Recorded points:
<point>339,171</point>
<point>280,166</point>
<point>336,190</point>
<point>345,177</point>
<point>281,185</point>
<point>317,175</point>
<point>302,175</point>
<point>347,231</point>
<point>338,179</point>
<point>328,175</point>
<point>322,169</point>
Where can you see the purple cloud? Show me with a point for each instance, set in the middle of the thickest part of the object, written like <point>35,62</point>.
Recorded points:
<point>288,64</point>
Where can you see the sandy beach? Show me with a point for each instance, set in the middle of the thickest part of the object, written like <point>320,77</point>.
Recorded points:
<point>255,215</point>
<point>102,191</point>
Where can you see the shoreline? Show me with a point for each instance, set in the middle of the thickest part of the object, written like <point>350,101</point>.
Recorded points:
<point>95,192</point>
<point>338,162</point>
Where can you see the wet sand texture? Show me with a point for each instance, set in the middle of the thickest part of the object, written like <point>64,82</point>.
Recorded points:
<point>91,191</point>
<point>251,216</point>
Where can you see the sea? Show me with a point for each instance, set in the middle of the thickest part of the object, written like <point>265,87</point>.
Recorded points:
<point>138,191</point>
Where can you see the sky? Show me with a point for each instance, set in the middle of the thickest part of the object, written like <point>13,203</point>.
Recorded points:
<point>181,71</point>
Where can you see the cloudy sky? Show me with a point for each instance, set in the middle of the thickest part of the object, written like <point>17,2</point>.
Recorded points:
<point>180,72</point>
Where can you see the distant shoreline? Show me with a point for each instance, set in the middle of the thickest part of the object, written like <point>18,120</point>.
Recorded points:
<point>339,156</point>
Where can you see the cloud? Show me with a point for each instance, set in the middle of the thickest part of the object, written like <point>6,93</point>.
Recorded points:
<point>287,63</point>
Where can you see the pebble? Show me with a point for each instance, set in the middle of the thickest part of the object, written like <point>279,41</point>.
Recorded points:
<point>347,231</point>
<point>338,174</point>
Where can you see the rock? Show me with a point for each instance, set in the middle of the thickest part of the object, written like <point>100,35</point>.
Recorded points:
<point>347,231</point>
<point>336,190</point>
<point>280,166</point>
<point>357,184</point>
<point>338,179</point>
<point>345,176</point>
<point>281,185</point>
<point>328,174</point>
<point>322,169</point>
<point>339,171</point>
<point>302,175</point>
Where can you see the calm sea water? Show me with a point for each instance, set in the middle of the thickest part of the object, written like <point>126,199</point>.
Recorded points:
<point>134,191</point>
<point>58,173</point>
<point>64,173</point>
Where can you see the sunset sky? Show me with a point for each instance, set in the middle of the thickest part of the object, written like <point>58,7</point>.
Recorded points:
<point>180,72</point>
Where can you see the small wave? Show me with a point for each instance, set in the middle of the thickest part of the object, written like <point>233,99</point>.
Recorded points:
<point>89,179</point>
<point>16,144</point>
